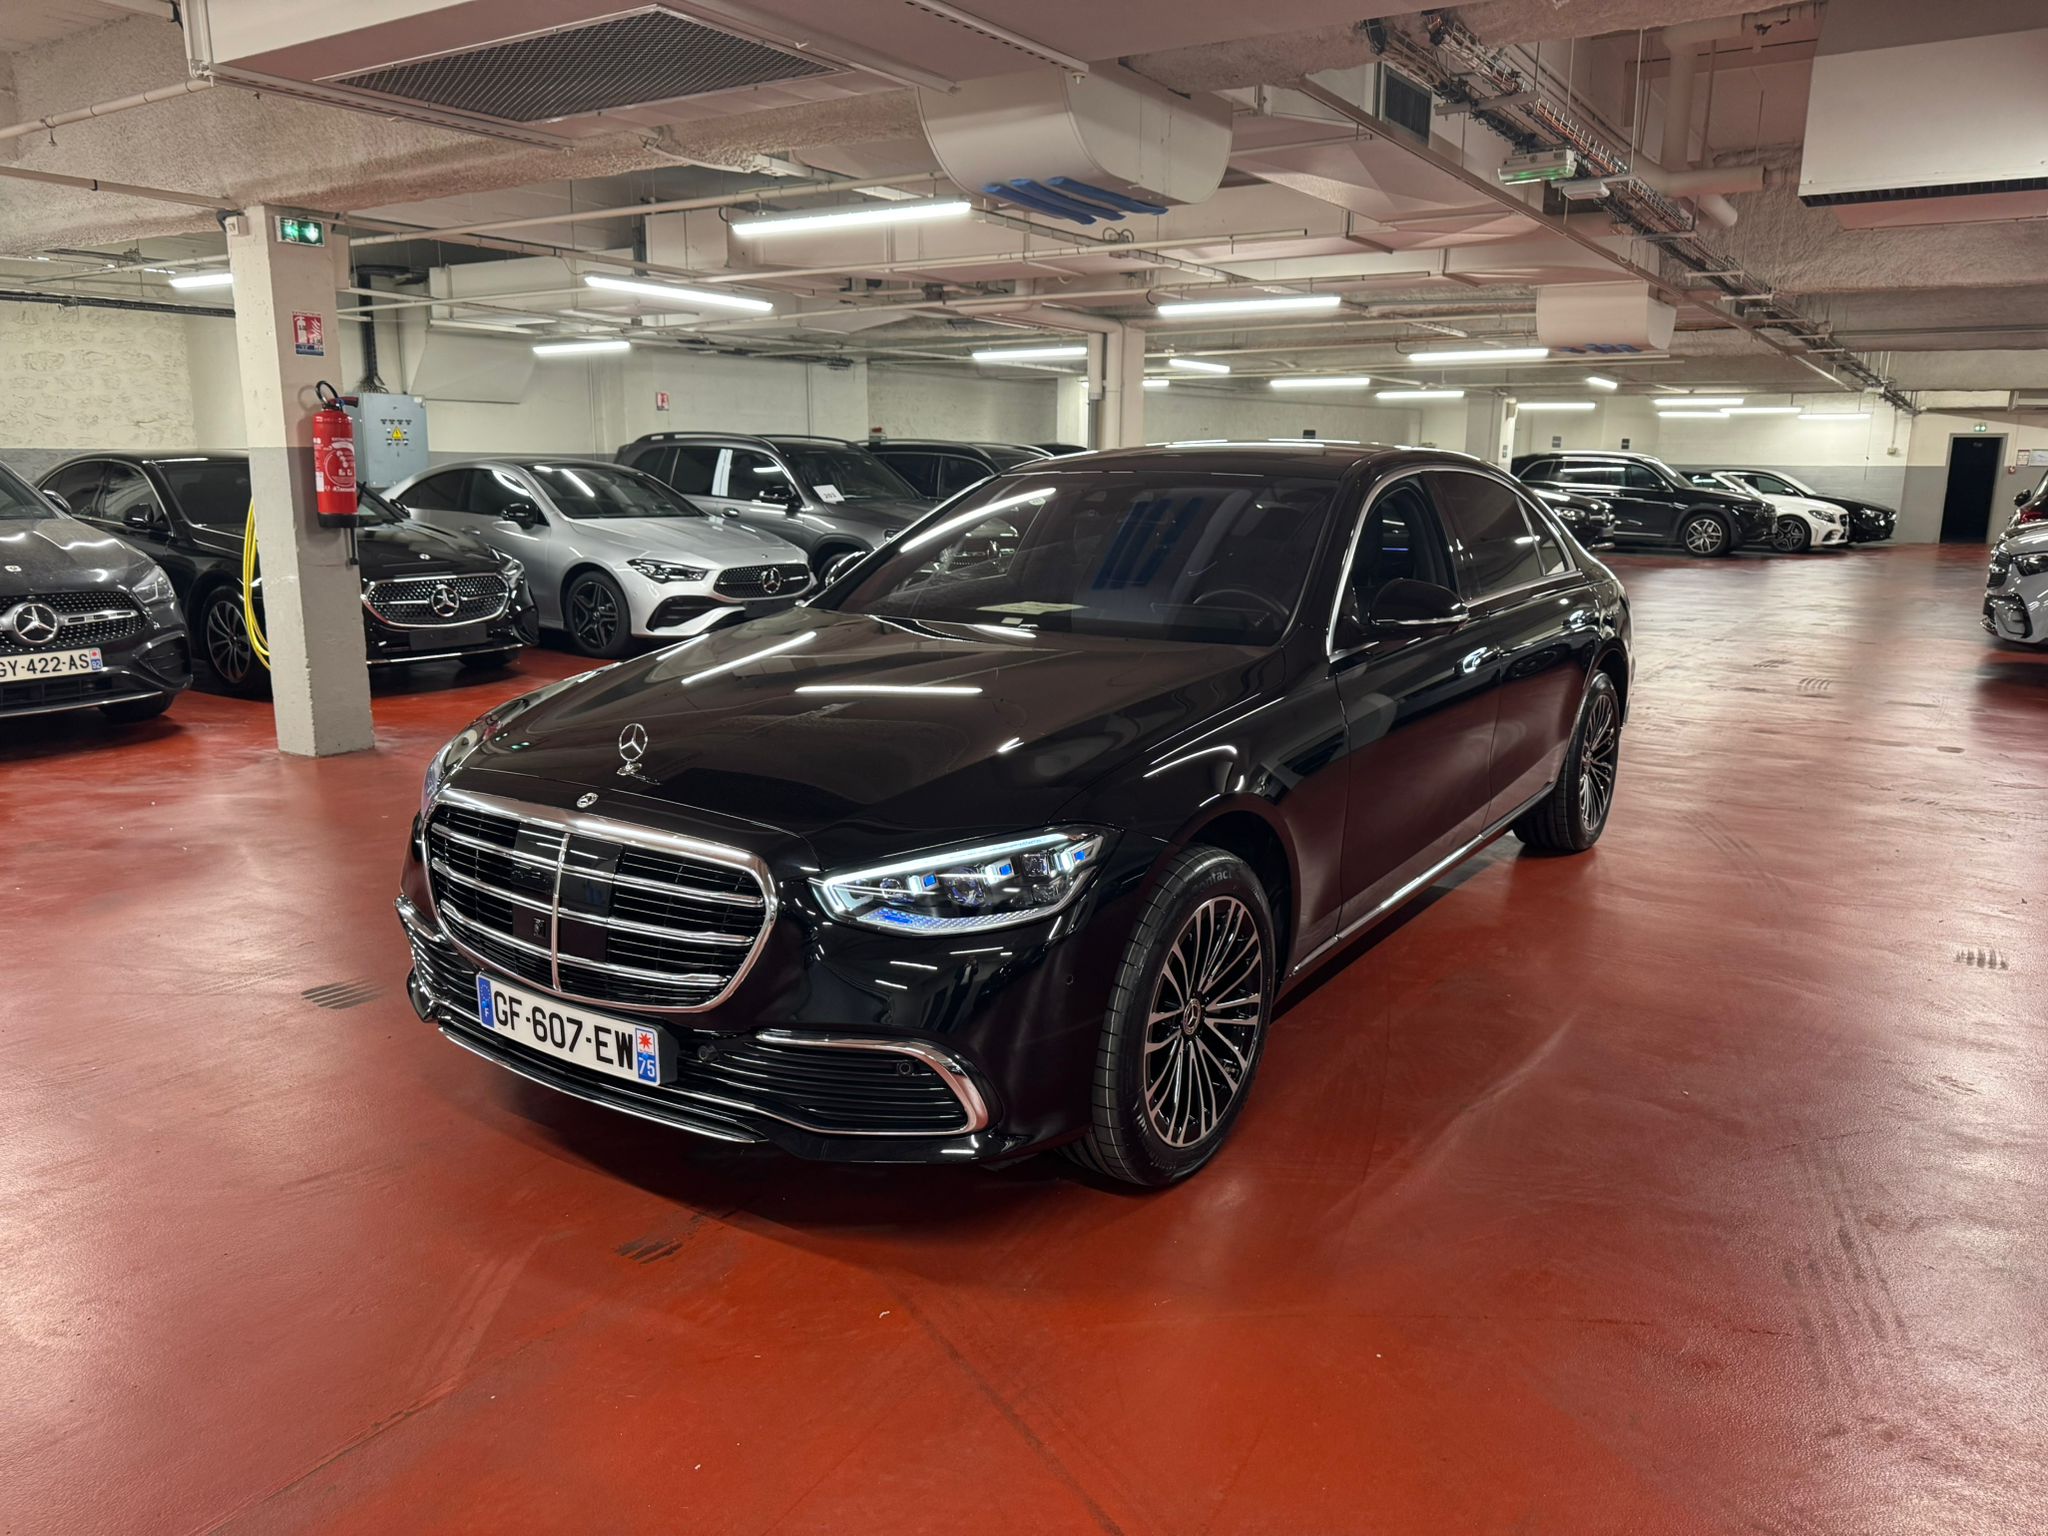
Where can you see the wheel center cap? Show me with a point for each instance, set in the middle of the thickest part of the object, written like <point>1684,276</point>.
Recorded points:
<point>1191,1017</point>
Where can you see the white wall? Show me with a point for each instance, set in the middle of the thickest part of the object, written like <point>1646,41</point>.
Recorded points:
<point>951,402</point>
<point>1926,477</point>
<point>73,379</point>
<point>1184,411</point>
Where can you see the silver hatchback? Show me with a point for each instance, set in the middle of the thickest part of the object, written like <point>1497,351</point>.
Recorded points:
<point>611,554</point>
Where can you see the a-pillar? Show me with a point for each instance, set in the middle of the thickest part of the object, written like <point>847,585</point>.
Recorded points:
<point>312,596</point>
<point>1490,427</point>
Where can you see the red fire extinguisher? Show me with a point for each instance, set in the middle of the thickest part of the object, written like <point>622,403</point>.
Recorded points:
<point>334,460</point>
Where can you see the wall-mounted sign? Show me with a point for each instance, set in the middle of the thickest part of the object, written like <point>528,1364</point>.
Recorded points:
<point>1980,427</point>
<point>661,399</point>
<point>1624,442</point>
<point>1555,440</point>
<point>292,230</point>
<point>2033,457</point>
<point>309,335</point>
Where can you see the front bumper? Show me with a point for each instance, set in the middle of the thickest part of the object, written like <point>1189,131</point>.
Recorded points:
<point>2011,616</point>
<point>662,610</point>
<point>835,1038</point>
<point>1871,527</point>
<point>155,666</point>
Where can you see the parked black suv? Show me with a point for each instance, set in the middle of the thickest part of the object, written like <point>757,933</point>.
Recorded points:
<point>84,623</point>
<point>1590,519</point>
<point>427,595</point>
<point>829,497</point>
<point>1017,833</point>
<point>941,469</point>
<point>1652,503</point>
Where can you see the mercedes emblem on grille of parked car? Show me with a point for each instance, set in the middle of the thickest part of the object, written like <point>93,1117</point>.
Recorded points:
<point>443,600</point>
<point>32,623</point>
<point>585,801</point>
<point>771,579</point>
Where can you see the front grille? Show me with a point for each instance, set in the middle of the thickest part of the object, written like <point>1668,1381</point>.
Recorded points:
<point>53,692</point>
<point>592,917</point>
<point>834,1090</point>
<point>97,616</point>
<point>427,602</point>
<point>754,580</point>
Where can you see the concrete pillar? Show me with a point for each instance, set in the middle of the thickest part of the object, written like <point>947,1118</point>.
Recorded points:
<point>1490,427</point>
<point>1070,410</point>
<point>312,595</point>
<point>1120,393</point>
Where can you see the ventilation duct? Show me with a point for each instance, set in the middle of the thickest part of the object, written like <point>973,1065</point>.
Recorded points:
<point>1603,318</point>
<point>1928,114</point>
<point>1085,148</point>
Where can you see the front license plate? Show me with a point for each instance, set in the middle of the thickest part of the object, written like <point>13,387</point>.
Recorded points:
<point>617,1047</point>
<point>452,637</point>
<point>21,669</point>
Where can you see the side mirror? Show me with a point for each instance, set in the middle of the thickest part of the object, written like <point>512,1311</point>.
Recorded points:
<point>58,502</point>
<point>1406,604</point>
<point>838,566</point>
<point>522,513</point>
<point>2019,498</point>
<point>777,493</point>
<point>139,517</point>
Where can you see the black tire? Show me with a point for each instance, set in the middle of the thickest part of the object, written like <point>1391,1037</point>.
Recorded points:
<point>1791,537</point>
<point>1706,534</point>
<point>1205,895</point>
<point>1572,816</point>
<point>221,637</point>
<point>595,616</point>
<point>486,661</point>
<point>135,711</point>
<point>829,555</point>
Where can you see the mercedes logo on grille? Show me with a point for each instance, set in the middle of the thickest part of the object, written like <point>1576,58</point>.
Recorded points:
<point>32,623</point>
<point>585,802</point>
<point>771,579</point>
<point>444,601</point>
<point>633,743</point>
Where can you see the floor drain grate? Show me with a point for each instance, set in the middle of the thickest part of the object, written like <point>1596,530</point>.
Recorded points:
<point>1983,959</point>
<point>1816,684</point>
<point>342,994</point>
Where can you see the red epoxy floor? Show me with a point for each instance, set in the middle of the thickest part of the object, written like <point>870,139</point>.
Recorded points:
<point>1695,1185</point>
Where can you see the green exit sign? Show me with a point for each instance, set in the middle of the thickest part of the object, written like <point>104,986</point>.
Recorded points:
<point>296,231</point>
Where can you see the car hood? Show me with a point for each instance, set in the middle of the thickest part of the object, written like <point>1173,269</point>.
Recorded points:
<point>2030,540</point>
<point>55,553</point>
<point>968,731</point>
<point>723,540</point>
<point>391,550</point>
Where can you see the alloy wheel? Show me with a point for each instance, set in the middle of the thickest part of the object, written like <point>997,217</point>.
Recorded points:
<point>1705,536</point>
<point>1599,757</point>
<point>1201,1034</point>
<point>593,616</point>
<point>1788,536</point>
<point>228,650</point>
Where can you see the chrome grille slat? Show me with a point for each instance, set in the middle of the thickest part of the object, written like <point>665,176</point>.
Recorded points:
<point>95,617</point>
<point>407,601</point>
<point>559,867</point>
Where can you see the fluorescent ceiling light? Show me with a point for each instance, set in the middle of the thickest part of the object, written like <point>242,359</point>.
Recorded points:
<point>1201,308</point>
<point>1158,383</point>
<point>1763,410</point>
<point>853,218</point>
<point>1692,415</point>
<point>1597,382</point>
<point>683,296</point>
<point>1834,415</point>
<point>1196,365</point>
<point>204,280</point>
<point>1555,405</point>
<point>1420,394</point>
<point>1322,381</point>
<point>1029,354</point>
<point>578,348</point>
<point>1696,402</point>
<point>1483,355</point>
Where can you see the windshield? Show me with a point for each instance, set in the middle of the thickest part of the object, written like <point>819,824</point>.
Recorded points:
<point>374,510</point>
<point>846,474</point>
<point>19,501</point>
<point>213,493</point>
<point>585,491</point>
<point>1215,557</point>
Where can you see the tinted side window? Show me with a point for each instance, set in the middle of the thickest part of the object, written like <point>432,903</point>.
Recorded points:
<point>1549,548</point>
<point>437,493</point>
<point>1590,474</point>
<point>1400,540</point>
<point>1539,469</point>
<point>658,462</point>
<point>79,485</point>
<point>920,469</point>
<point>126,498</point>
<point>691,469</point>
<point>956,474</point>
<point>1640,477</point>
<point>1487,527</point>
<point>491,491</point>
<point>756,477</point>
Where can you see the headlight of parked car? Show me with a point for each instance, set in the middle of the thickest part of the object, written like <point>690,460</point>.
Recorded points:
<point>960,890</point>
<point>154,590</point>
<point>513,571</point>
<point>668,570</point>
<point>2031,565</point>
<point>459,748</point>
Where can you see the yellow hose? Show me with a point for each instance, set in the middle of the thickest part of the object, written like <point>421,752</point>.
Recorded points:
<point>256,640</point>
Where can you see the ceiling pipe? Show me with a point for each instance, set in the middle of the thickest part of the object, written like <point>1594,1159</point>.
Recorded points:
<point>119,188</point>
<point>103,108</point>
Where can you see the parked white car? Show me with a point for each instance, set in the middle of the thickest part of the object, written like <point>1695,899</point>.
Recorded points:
<point>2016,588</point>
<point>611,553</point>
<point>1803,523</point>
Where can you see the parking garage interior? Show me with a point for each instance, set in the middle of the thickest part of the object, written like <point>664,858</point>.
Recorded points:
<point>1677,1171</point>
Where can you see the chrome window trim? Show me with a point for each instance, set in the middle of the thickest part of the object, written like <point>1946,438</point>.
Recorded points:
<point>609,829</point>
<point>1522,499</point>
<point>1365,512</point>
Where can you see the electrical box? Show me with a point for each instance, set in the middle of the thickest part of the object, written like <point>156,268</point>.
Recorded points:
<point>391,437</point>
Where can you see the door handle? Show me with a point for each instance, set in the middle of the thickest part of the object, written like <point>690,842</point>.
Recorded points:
<point>1579,618</point>
<point>1472,661</point>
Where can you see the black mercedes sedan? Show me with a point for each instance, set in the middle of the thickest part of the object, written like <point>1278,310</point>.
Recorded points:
<point>1869,523</point>
<point>427,595</point>
<point>1016,833</point>
<point>85,622</point>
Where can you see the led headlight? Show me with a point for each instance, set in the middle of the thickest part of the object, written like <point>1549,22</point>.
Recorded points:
<point>513,571</point>
<point>459,749</point>
<point>961,890</point>
<point>667,570</point>
<point>154,590</point>
<point>2031,565</point>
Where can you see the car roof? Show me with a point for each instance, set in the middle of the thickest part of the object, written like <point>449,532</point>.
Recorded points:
<point>770,438</point>
<point>1321,457</point>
